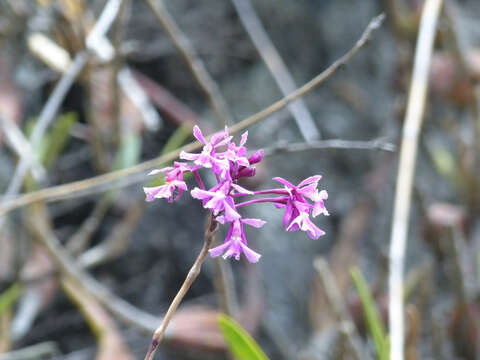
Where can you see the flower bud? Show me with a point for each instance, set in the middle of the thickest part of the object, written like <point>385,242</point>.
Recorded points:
<point>256,157</point>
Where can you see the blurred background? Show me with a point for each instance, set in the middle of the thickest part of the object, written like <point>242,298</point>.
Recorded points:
<point>93,88</point>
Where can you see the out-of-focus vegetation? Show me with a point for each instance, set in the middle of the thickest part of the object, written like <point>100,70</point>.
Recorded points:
<point>94,94</point>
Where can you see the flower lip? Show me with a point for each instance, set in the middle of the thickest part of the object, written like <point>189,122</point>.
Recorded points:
<point>235,244</point>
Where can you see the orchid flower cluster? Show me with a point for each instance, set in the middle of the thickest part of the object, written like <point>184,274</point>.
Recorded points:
<point>229,163</point>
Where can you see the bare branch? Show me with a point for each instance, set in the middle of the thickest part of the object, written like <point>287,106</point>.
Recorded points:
<point>46,117</point>
<point>276,66</point>
<point>462,49</point>
<point>120,308</point>
<point>406,170</point>
<point>46,349</point>
<point>20,145</point>
<point>339,307</point>
<point>134,174</point>
<point>50,109</point>
<point>376,144</point>
<point>193,61</point>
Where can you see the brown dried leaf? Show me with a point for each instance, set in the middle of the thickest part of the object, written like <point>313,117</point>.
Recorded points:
<point>196,327</point>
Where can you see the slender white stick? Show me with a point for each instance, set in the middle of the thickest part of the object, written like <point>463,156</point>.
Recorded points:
<point>56,98</point>
<point>406,170</point>
<point>276,66</point>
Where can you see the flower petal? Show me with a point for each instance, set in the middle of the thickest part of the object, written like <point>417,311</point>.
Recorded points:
<point>158,171</point>
<point>323,195</point>
<point>242,190</point>
<point>284,182</point>
<point>309,191</point>
<point>200,194</point>
<point>216,251</point>
<point>221,219</point>
<point>251,255</point>
<point>158,192</point>
<point>243,140</point>
<point>311,179</point>
<point>230,213</point>
<point>189,156</point>
<point>319,208</point>
<point>198,134</point>
<point>254,222</point>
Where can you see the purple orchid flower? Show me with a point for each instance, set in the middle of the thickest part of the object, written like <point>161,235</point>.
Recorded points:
<point>237,154</point>
<point>218,201</point>
<point>235,242</point>
<point>297,209</point>
<point>173,181</point>
<point>165,191</point>
<point>207,158</point>
<point>229,163</point>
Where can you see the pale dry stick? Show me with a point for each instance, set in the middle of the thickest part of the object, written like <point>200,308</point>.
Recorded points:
<point>456,247</point>
<point>110,342</point>
<point>47,115</point>
<point>67,266</point>
<point>332,144</point>
<point>47,349</point>
<point>339,307</point>
<point>406,170</point>
<point>117,63</point>
<point>55,192</point>
<point>276,66</point>
<point>79,241</point>
<point>157,337</point>
<point>50,109</point>
<point>96,40</point>
<point>225,287</point>
<point>462,51</point>
<point>193,61</point>
<point>21,146</point>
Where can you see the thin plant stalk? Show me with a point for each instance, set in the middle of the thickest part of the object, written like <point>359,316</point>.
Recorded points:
<point>192,275</point>
<point>406,171</point>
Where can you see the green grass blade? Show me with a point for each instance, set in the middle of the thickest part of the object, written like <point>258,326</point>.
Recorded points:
<point>240,343</point>
<point>178,138</point>
<point>9,296</point>
<point>58,137</point>
<point>372,316</point>
<point>129,151</point>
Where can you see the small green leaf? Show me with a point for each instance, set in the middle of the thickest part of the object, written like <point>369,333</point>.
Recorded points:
<point>52,143</point>
<point>372,316</point>
<point>9,296</point>
<point>240,343</point>
<point>129,151</point>
<point>57,137</point>
<point>177,139</point>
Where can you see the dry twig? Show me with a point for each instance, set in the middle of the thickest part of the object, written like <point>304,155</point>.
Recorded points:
<point>452,13</point>
<point>375,144</point>
<point>276,66</point>
<point>67,266</point>
<point>193,61</point>
<point>406,170</point>
<point>339,307</point>
<point>127,176</point>
<point>42,350</point>
<point>21,146</point>
<point>111,345</point>
<point>50,109</point>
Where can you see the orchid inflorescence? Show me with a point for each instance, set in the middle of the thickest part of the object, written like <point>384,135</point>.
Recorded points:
<point>229,163</point>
